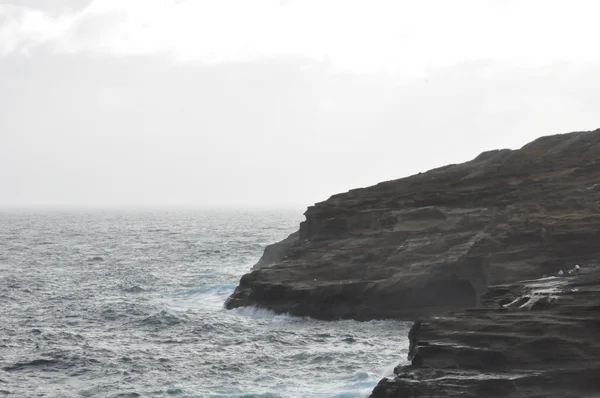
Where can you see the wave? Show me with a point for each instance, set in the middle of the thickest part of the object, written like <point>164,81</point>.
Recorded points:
<point>359,385</point>
<point>134,289</point>
<point>53,361</point>
<point>226,288</point>
<point>263,313</point>
<point>164,318</point>
<point>40,363</point>
<point>364,392</point>
<point>208,297</point>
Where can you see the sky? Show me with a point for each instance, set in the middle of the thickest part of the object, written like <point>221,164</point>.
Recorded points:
<point>276,103</point>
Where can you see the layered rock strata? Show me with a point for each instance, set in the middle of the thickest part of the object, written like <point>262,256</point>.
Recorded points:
<point>436,241</point>
<point>537,338</point>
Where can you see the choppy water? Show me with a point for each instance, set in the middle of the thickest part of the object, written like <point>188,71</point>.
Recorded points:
<point>130,304</point>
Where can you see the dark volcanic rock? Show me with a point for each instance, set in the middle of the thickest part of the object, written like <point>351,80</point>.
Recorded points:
<point>537,338</point>
<point>276,252</point>
<point>435,241</point>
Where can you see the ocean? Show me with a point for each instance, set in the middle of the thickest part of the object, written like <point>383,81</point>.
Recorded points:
<point>130,304</point>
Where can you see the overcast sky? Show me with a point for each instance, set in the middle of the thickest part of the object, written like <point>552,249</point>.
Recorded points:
<point>276,103</point>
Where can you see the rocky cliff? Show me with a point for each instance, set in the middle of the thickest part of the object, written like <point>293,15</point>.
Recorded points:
<point>536,338</point>
<point>436,241</point>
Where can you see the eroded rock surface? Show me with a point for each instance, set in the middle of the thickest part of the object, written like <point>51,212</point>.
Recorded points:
<point>435,241</point>
<point>537,338</point>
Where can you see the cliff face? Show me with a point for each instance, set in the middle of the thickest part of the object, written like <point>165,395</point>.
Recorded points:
<point>536,338</point>
<point>436,241</point>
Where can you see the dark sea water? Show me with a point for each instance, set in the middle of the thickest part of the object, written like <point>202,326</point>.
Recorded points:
<point>130,304</point>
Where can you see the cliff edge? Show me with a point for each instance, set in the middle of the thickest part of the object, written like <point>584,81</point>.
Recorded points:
<point>437,241</point>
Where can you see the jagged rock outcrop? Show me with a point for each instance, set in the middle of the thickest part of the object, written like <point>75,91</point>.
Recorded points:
<point>436,241</point>
<point>537,338</point>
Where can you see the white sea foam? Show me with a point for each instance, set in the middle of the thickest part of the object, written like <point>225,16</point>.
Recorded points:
<point>203,298</point>
<point>263,313</point>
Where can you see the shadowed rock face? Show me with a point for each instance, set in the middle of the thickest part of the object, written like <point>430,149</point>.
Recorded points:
<point>536,338</point>
<point>435,241</point>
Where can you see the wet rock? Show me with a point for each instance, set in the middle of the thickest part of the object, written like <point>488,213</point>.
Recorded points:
<point>511,347</point>
<point>435,241</point>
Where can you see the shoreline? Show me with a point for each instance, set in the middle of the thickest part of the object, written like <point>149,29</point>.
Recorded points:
<point>445,244</point>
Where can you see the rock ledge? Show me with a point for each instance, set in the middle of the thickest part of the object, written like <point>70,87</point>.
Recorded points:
<point>536,338</point>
